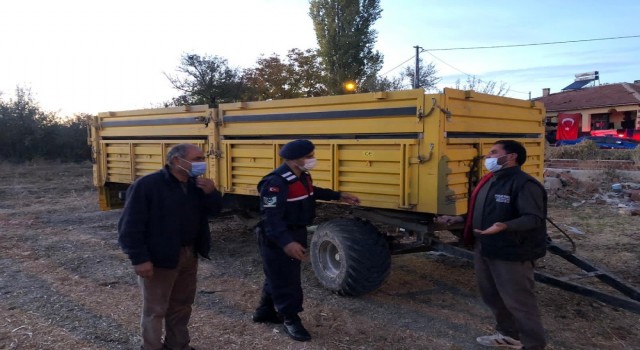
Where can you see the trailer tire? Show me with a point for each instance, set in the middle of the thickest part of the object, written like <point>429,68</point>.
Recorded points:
<point>350,256</point>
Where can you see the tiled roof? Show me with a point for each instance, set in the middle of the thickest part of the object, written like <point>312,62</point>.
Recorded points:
<point>623,94</point>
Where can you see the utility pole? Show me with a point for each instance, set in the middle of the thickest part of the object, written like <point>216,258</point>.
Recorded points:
<point>416,82</point>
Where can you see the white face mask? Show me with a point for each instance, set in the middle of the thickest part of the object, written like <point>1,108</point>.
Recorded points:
<point>492,165</point>
<point>309,164</point>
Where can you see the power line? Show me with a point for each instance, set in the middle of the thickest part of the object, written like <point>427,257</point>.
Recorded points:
<point>503,46</point>
<point>398,66</point>
<point>436,57</point>
<point>467,74</point>
<point>532,44</point>
<point>439,59</point>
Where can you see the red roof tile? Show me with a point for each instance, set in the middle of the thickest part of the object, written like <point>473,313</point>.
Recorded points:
<point>623,94</point>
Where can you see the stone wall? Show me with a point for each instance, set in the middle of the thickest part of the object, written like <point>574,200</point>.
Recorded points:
<point>578,164</point>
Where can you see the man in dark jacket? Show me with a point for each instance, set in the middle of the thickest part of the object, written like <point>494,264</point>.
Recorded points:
<point>287,205</point>
<point>163,227</point>
<point>506,219</point>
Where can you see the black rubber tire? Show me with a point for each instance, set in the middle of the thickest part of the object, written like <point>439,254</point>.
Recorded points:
<point>350,256</point>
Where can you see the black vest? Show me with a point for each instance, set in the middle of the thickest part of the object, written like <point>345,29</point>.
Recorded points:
<point>514,244</point>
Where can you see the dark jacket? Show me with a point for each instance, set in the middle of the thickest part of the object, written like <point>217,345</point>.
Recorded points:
<point>287,201</point>
<point>520,201</point>
<point>159,218</point>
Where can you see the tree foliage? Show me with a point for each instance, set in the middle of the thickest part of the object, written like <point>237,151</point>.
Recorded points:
<point>427,78</point>
<point>205,80</point>
<point>308,73</point>
<point>487,87</point>
<point>346,38</point>
<point>379,83</point>
<point>27,132</point>
<point>298,75</point>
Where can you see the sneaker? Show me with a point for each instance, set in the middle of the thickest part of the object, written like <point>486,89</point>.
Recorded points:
<point>499,340</point>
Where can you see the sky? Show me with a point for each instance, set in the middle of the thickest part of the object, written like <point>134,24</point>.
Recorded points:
<point>97,56</point>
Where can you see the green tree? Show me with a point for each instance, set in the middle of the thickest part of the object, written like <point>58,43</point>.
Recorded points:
<point>205,80</point>
<point>427,78</point>
<point>19,126</point>
<point>308,72</point>
<point>67,139</point>
<point>379,83</point>
<point>270,79</point>
<point>27,132</point>
<point>346,39</point>
<point>298,75</point>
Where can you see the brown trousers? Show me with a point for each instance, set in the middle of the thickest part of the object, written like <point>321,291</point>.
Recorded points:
<point>168,296</point>
<point>507,287</point>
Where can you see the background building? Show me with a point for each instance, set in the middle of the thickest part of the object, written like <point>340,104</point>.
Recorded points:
<point>603,109</point>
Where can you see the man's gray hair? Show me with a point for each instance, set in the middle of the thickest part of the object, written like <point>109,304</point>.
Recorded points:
<point>179,150</point>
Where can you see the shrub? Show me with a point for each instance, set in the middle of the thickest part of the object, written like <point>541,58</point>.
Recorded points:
<point>588,150</point>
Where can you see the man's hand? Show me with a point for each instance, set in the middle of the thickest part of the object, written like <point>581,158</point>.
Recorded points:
<point>495,228</point>
<point>144,270</point>
<point>448,219</point>
<point>349,198</point>
<point>296,251</point>
<point>206,185</point>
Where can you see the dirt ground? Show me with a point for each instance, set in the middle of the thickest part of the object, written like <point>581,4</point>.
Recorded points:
<point>65,284</point>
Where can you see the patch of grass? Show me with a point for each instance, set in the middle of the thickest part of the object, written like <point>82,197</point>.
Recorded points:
<point>635,155</point>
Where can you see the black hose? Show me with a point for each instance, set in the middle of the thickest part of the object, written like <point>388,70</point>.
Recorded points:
<point>573,244</point>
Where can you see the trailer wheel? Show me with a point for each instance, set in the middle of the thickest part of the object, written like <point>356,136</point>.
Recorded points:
<point>350,256</point>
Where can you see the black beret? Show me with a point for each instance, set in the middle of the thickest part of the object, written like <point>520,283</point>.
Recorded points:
<point>296,149</point>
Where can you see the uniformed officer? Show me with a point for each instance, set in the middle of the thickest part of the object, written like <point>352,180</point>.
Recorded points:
<point>287,205</point>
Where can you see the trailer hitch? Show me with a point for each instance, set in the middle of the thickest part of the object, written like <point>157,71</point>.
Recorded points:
<point>630,303</point>
<point>633,294</point>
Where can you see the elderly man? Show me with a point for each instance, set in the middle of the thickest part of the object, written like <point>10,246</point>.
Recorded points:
<point>163,227</point>
<point>287,205</point>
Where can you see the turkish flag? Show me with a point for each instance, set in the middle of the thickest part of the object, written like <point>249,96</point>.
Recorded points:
<point>568,124</point>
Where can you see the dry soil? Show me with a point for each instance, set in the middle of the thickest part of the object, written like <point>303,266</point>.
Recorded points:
<point>65,284</point>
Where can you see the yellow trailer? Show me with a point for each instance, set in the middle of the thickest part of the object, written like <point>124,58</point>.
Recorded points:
<point>408,156</point>
<point>401,150</point>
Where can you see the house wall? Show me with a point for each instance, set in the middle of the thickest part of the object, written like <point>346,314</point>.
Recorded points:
<point>616,115</point>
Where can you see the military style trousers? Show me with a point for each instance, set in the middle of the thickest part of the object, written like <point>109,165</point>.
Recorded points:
<point>282,273</point>
<point>168,296</point>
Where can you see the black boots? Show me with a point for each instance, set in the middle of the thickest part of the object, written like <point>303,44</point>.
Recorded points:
<point>266,313</point>
<point>294,328</point>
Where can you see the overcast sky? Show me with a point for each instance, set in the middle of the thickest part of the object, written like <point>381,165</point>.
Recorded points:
<point>94,56</point>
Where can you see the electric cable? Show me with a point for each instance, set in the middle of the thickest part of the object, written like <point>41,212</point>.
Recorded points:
<point>504,46</point>
<point>467,74</point>
<point>532,44</point>
<point>573,244</point>
<point>398,66</point>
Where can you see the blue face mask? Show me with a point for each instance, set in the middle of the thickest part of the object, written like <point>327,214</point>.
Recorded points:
<point>197,168</point>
